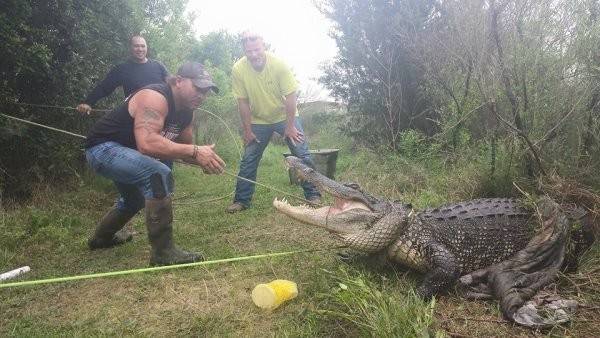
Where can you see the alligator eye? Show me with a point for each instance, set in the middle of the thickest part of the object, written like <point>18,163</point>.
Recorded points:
<point>352,185</point>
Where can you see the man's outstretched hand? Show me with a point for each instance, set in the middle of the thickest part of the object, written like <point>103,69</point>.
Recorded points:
<point>84,108</point>
<point>208,159</point>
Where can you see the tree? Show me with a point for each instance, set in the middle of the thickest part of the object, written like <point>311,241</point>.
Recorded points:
<point>373,72</point>
<point>515,64</point>
<point>52,54</point>
<point>218,51</point>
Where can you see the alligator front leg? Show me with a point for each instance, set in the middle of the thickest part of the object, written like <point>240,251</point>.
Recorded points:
<point>443,273</point>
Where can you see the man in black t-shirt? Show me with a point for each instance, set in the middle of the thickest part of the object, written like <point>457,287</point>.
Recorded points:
<point>133,74</point>
<point>127,146</point>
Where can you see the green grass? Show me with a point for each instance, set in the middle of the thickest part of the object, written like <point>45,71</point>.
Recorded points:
<point>335,299</point>
<point>367,308</point>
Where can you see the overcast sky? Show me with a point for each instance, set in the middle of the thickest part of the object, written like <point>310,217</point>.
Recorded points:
<point>296,30</point>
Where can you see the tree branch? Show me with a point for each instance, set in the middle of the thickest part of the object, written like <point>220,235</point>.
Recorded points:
<point>523,136</point>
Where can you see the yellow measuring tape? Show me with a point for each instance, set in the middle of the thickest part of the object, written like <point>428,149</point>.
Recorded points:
<point>157,268</point>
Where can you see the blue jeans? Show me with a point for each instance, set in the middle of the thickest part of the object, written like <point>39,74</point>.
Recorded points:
<point>135,175</point>
<point>253,153</point>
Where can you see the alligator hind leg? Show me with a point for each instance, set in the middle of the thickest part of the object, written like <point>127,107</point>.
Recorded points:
<point>372,260</point>
<point>444,272</point>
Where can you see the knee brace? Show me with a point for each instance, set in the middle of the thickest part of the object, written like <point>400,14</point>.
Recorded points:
<point>161,187</point>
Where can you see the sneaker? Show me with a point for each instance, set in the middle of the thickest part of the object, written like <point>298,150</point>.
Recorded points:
<point>235,207</point>
<point>314,201</point>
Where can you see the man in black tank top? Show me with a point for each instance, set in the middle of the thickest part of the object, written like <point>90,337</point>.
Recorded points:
<point>127,146</point>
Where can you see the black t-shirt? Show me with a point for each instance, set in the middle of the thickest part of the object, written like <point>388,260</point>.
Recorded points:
<point>131,76</point>
<point>117,126</point>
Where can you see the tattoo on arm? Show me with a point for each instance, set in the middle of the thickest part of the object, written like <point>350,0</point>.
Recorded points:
<point>150,116</point>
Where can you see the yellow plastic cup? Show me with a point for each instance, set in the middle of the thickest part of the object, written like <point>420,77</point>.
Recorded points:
<point>270,295</point>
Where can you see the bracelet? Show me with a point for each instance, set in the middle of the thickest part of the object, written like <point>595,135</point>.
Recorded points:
<point>195,151</point>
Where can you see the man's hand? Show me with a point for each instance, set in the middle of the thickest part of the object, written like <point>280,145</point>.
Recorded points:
<point>293,134</point>
<point>84,108</point>
<point>249,137</point>
<point>210,162</point>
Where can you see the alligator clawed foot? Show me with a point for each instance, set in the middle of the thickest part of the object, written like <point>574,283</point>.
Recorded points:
<point>347,256</point>
<point>424,292</point>
<point>354,257</point>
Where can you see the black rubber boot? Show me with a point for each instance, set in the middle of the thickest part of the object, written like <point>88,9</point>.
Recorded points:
<point>104,236</point>
<point>159,219</point>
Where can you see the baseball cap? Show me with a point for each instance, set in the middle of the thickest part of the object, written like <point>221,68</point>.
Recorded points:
<point>199,76</point>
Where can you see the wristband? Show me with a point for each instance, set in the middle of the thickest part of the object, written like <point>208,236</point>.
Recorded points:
<point>195,151</point>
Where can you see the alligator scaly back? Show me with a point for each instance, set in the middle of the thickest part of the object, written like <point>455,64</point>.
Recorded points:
<point>480,232</point>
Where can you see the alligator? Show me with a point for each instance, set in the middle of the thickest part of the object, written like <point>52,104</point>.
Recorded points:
<point>476,239</point>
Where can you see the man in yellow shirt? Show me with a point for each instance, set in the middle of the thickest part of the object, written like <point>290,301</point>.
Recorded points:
<point>265,89</point>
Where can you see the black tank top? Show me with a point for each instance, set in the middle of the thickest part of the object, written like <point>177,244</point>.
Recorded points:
<point>117,126</point>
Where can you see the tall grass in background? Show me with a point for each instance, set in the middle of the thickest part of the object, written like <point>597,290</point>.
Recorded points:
<point>422,172</point>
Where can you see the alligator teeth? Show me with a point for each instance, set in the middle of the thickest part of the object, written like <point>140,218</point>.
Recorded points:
<point>281,201</point>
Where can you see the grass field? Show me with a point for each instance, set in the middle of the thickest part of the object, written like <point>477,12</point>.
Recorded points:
<point>335,299</point>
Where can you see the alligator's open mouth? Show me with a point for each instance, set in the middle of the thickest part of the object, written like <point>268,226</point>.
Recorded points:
<point>340,217</point>
<point>348,211</point>
<point>338,206</point>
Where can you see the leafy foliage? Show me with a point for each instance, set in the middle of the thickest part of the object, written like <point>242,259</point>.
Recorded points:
<point>373,72</point>
<point>218,51</point>
<point>53,53</point>
<point>517,75</point>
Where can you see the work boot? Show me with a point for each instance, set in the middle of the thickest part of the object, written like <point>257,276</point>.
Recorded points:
<point>236,207</point>
<point>159,220</point>
<point>104,236</point>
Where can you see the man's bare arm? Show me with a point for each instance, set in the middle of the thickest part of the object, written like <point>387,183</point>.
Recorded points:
<point>149,110</point>
<point>290,111</point>
<point>246,116</point>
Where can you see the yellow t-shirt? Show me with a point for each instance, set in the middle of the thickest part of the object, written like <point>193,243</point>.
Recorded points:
<point>265,90</point>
